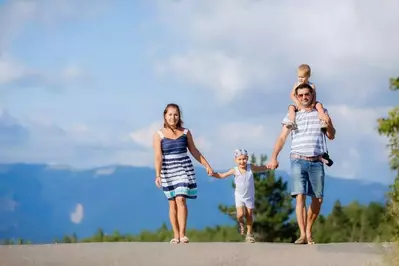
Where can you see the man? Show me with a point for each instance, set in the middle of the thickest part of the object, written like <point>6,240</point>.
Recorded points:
<point>307,169</point>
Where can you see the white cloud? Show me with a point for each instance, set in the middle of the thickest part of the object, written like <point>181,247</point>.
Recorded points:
<point>7,204</point>
<point>62,145</point>
<point>346,49</point>
<point>358,150</point>
<point>105,171</point>
<point>203,144</point>
<point>226,75</point>
<point>16,15</point>
<point>77,215</point>
<point>10,70</point>
<point>145,135</point>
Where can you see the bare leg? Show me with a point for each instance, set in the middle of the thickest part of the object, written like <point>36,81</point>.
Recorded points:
<point>322,115</point>
<point>249,217</point>
<point>182,213</point>
<point>291,113</point>
<point>313,212</point>
<point>301,216</point>
<point>240,219</point>
<point>291,116</point>
<point>173,218</point>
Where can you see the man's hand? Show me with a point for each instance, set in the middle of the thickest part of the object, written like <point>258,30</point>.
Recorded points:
<point>273,164</point>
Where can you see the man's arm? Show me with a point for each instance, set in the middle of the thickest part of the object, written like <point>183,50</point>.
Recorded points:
<point>282,138</point>
<point>273,164</point>
<point>330,130</point>
<point>259,168</point>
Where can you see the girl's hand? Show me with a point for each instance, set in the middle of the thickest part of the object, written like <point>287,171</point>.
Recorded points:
<point>158,181</point>
<point>209,170</point>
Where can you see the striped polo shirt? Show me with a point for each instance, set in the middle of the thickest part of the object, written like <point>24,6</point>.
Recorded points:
<point>307,138</point>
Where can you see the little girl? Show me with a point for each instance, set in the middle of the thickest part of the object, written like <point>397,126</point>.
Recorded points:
<point>244,190</point>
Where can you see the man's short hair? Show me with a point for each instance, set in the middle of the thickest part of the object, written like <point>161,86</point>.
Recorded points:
<point>303,86</point>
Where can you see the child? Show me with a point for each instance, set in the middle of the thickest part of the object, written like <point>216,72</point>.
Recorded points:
<point>244,190</point>
<point>304,73</point>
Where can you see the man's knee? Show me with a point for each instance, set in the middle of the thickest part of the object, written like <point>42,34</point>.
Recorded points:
<point>317,200</point>
<point>300,199</point>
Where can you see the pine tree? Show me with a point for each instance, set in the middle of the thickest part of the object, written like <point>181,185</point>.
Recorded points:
<point>273,207</point>
<point>390,127</point>
<point>338,224</point>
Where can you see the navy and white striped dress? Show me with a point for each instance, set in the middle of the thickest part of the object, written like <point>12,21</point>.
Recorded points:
<point>177,172</point>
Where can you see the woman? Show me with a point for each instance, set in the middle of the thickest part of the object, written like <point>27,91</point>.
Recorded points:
<point>174,169</point>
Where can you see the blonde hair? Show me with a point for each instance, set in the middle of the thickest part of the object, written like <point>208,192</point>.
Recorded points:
<point>305,69</point>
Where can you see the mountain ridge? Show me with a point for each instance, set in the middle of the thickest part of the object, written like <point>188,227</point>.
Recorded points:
<point>41,202</point>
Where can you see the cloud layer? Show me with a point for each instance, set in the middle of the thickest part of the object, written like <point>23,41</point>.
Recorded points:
<point>236,45</point>
<point>229,64</point>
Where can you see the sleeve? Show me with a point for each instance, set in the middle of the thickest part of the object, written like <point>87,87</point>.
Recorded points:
<point>285,120</point>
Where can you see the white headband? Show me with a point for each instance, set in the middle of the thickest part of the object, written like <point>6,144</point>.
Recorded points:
<point>240,152</point>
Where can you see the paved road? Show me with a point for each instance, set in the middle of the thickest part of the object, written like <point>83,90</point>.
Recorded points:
<point>193,254</point>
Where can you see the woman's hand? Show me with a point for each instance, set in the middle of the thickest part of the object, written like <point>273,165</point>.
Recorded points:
<point>158,181</point>
<point>209,170</point>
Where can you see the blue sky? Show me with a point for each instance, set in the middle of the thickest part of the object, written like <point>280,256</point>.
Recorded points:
<point>85,85</point>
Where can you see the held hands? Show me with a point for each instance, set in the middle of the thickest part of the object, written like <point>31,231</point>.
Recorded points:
<point>209,171</point>
<point>273,164</point>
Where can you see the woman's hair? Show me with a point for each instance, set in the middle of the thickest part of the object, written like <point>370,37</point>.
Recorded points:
<point>179,123</point>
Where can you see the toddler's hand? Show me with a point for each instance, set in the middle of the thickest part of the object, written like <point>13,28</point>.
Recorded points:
<point>325,118</point>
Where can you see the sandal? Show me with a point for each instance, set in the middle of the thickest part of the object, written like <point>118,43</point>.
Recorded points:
<point>300,241</point>
<point>311,241</point>
<point>291,125</point>
<point>184,239</point>
<point>250,238</point>
<point>241,228</point>
<point>174,241</point>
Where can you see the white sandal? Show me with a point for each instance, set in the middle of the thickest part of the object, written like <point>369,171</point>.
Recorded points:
<point>184,239</point>
<point>174,241</point>
<point>250,238</point>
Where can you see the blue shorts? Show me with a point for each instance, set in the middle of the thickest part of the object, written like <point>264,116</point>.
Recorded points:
<point>307,178</point>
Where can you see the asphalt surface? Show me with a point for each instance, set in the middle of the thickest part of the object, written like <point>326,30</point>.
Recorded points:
<point>193,254</point>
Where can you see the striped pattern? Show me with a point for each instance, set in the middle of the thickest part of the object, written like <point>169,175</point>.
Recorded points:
<point>177,172</point>
<point>307,139</point>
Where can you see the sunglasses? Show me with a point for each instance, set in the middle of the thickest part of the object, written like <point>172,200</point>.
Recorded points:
<point>304,94</point>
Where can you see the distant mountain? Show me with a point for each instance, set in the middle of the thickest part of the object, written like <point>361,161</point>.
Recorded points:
<point>41,202</point>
